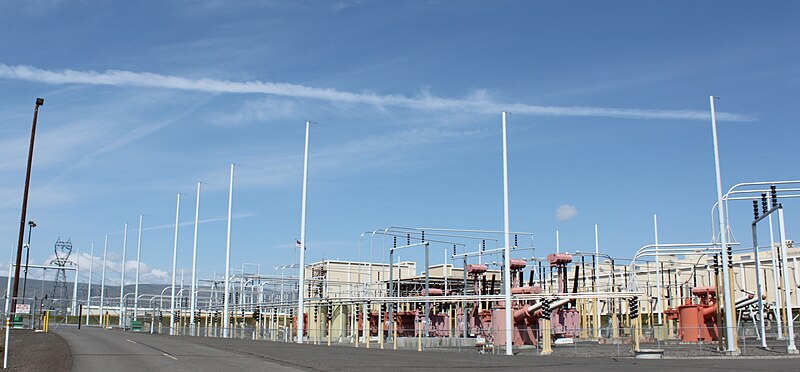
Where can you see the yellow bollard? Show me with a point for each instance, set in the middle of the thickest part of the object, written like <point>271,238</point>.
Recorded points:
<point>451,321</point>
<point>584,319</point>
<point>394,339</point>
<point>419,337</point>
<point>734,331</point>
<point>380,327</point>
<point>547,348</point>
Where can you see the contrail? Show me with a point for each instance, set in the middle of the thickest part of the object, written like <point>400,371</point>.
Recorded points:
<point>477,104</point>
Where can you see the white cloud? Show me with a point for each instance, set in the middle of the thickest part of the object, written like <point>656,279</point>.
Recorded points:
<point>344,4</point>
<point>475,103</point>
<point>565,212</point>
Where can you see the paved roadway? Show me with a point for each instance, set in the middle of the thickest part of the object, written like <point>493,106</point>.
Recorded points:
<point>102,350</point>
<point>95,349</point>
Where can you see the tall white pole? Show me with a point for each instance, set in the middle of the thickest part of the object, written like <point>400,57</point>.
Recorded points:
<point>75,293</point>
<point>138,264</point>
<point>8,315</point>
<point>103,279</point>
<point>8,288</point>
<point>773,252</point>
<point>122,279</point>
<point>226,299</point>
<point>174,265</point>
<point>597,281</point>
<point>193,296</point>
<point>507,253</point>
<point>726,284</point>
<point>791,348</point>
<point>75,285</point>
<point>301,294</point>
<point>796,279</point>
<point>89,290</point>
<point>659,305</point>
<point>558,242</point>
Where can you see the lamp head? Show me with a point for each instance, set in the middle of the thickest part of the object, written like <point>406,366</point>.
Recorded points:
<point>31,224</point>
<point>39,101</point>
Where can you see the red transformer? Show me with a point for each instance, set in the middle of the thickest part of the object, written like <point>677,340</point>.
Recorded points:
<point>698,322</point>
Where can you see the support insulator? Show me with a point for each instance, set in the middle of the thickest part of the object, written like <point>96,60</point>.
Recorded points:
<point>716,264</point>
<point>633,305</point>
<point>774,193</point>
<point>755,210</point>
<point>730,257</point>
<point>546,311</point>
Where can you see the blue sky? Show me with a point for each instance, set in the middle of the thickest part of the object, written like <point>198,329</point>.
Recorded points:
<point>609,120</point>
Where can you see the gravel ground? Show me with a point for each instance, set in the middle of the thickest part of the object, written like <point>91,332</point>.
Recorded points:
<point>37,351</point>
<point>671,350</point>
<point>578,358</point>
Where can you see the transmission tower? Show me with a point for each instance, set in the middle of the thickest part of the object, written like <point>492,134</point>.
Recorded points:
<point>60,295</point>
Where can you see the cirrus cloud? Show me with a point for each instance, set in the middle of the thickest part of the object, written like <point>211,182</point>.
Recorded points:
<point>478,102</point>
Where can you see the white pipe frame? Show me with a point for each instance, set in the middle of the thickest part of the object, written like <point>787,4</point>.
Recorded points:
<point>656,250</point>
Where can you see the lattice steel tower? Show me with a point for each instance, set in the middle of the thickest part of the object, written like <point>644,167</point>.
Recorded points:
<point>60,295</point>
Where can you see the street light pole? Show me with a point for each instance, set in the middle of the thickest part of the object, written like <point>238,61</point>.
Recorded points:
<point>31,225</point>
<point>39,102</point>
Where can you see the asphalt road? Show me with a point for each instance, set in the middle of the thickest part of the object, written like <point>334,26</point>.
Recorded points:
<point>102,350</point>
<point>95,349</point>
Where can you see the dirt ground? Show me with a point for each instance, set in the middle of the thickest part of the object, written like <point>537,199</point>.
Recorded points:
<point>32,351</point>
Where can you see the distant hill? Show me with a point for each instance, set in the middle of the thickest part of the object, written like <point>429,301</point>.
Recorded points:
<point>37,287</point>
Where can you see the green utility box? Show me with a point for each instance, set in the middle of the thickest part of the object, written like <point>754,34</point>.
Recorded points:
<point>17,323</point>
<point>136,326</point>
